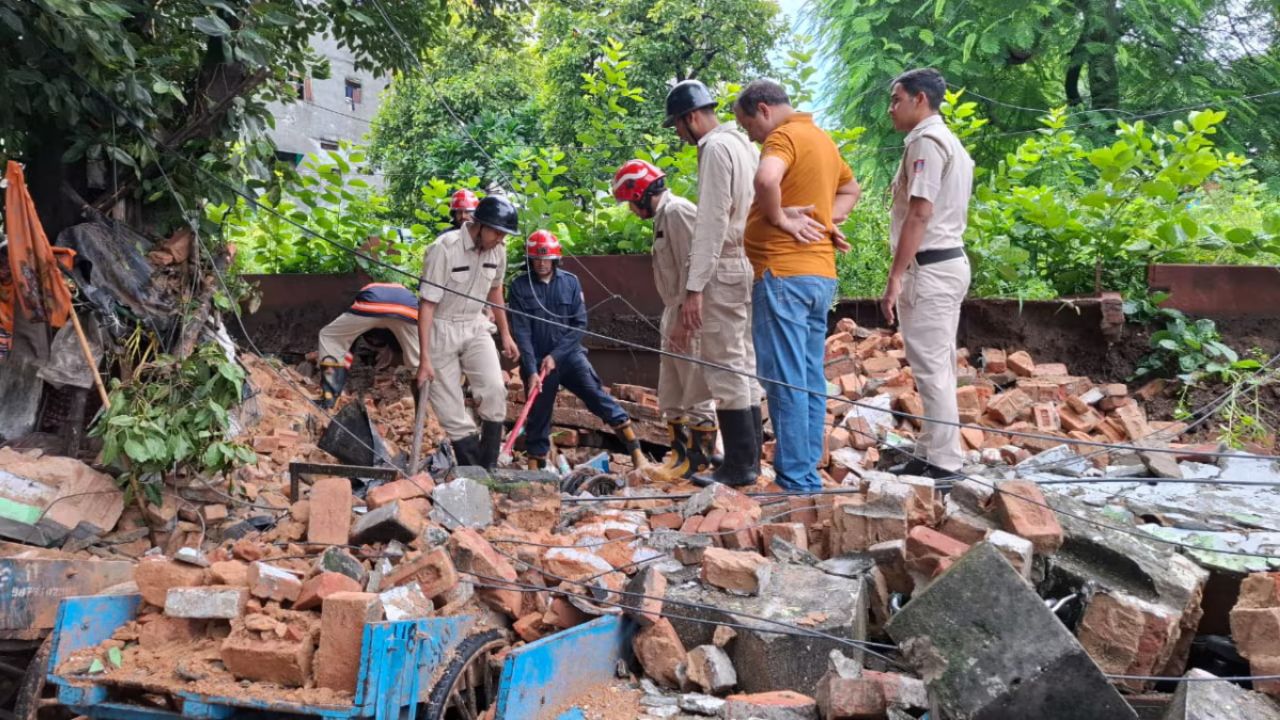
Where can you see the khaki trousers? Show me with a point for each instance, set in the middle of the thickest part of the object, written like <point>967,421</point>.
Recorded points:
<point>337,337</point>
<point>465,348</point>
<point>682,385</point>
<point>929,313</point>
<point>726,337</point>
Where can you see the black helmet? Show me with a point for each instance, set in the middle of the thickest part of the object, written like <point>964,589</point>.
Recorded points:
<point>684,98</point>
<point>499,214</point>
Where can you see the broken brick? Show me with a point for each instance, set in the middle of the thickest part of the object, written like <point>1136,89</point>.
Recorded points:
<point>850,698</point>
<point>213,602</point>
<point>562,614</point>
<point>1021,364</point>
<point>321,586</point>
<point>776,705</point>
<point>1256,631</point>
<point>531,627</point>
<point>644,598</point>
<point>432,570</point>
<point>792,532</point>
<point>1025,513</point>
<point>418,486</point>
<point>993,360</point>
<point>1126,635</point>
<point>230,572</point>
<point>740,573</point>
<point>329,522</point>
<point>660,652</point>
<point>880,365</point>
<point>666,521</point>
<point>162,630</point>
<point>1006,407</point>
<point>926,547</point>
<point>1260,590</point>
<point>282,661</point>
<point>397,520</point>
<point>1046,417</point>
<point>474,556</point>
<point>156,575</point>
<point>271,583</point>
<point>343,617</point>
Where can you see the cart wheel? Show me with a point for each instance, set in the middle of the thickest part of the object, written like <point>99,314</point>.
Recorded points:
<point>469,686</point>
<point>31,698</point>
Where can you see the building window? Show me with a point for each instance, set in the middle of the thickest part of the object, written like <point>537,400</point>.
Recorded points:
<point>354,92</point>
<point>328,145</point>
<point>302,88</point>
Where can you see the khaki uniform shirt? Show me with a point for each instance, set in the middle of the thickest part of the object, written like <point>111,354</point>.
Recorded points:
<point>453,262</point>
<point>673,222</point>
<point>935,167</point>
<point>727,163</point>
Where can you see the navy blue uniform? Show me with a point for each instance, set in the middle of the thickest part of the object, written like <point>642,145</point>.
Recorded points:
<point>559,300</point>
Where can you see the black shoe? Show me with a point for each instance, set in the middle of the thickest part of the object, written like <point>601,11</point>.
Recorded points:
<point>490,443</point>
<point>757,420</point>
<point>741,451</point>
<point>920,468</point>
<point>466,450</point>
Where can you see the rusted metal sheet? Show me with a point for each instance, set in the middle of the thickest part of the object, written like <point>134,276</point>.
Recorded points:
<point>33,587</point>
<point>1219,290</point>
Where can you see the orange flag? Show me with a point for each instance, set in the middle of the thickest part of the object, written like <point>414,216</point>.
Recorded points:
<point>38,285</point>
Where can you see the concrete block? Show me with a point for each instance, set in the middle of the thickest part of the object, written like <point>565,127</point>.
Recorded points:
<point>396,520</point>
<point>710,669</point>
<point>462,502</point>
<point>1203,699</point>
<point>206,603</point>
<point>988,648</point>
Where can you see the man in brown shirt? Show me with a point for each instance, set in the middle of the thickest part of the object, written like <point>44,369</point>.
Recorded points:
<point>803,191</point>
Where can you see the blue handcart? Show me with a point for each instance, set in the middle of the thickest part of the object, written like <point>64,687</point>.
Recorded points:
<point>435,668</point>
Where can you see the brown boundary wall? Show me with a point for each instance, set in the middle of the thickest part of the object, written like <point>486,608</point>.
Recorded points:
<point>1244,301</point>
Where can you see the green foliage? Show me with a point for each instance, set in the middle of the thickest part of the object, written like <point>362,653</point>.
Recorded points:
<point>166,64</point>
<point>1185,348</point>
<point>174,415</point>
<point>1102,58</point>
<point>1058,216</point>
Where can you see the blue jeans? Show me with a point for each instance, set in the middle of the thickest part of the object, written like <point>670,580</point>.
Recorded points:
<point>789,328</point>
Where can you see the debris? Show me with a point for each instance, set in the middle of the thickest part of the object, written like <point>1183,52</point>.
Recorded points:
<point>1025,513</point>
<point>660,652</point>
<point>272,583</point>
<point>156,575</point>
<point>329,513</point>
<point>1200,700</point>
<point>699,704</point>
<point>396,520</point>
<point>740,573</point>
<point>342,620</point>
<point>710,669</point>
<point>44,498</point>
<point>336,559</point>
<point>778,705</point>
<point>1017,656</point>
<point>464,502</point>
<point>282,661</point>
<point>319,587</point>
<point>191,556</point>
<point>206,603</point>
<point>405,602</point>
<point>1060,460</point>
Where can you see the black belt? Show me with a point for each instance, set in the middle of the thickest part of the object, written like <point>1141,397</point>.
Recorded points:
<point>929,257</point>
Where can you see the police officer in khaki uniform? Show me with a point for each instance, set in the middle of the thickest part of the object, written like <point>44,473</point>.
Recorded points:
<point>461,267</point>
<point>718,292</point>
<point>930,272</point>
<point>683,395</point>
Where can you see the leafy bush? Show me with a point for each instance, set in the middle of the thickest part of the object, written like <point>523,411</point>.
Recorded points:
<point>1184,348</point>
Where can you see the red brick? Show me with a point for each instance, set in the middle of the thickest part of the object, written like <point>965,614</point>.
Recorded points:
<point>837,439</point>
<point>272,583</point>
<point>837,367</point>
<point>880,365</point>
<point>213,514</point>
<point>282,661</point>
<point>265,444</point>
<point>330,514</point>
<point>1151,390</point>
<point>710,524</point>
<point>801,510</point>
<point>1079,421</point>
<point>1134,422</point>
<point>1007,406</point>
<point>1025,513</point>
<point>652,585</point>
<point>162,630</point>
<point>1046,417</point>
<point>418,486</point>
<point>1042,390</point>
<point>738,572</point>
<point>562,614</point>
<point>792,532</point>
<point>970,403</point>
<point>666,521</point>
<point>1256,631</point>
<point>760,704</point>
<point>155,575</point>
<point>911,404</point>
<point>532,628</point>
<point>1050,370</point>
<point>993,361</point>
<point>473,555</point>
<point>432,570</point>
<point>660,652</point>
<point>926,547</point>
<point>737,532</point>
<point>342,619</point>
<point>851,385</point>
<point>1021,364</point>
<point>1266,665</point>
<point>1113,431</point>
<point>857,698</point>
<point>691,524</point>
<point>868,347</point>
<point>317,588</point>
<point>974,439</point>
<point>1260,590</point>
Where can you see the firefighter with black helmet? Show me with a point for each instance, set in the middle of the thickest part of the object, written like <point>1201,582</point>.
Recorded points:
<point>463,269</point>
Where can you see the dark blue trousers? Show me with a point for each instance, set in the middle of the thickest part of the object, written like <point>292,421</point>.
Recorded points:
<point>578,377</point>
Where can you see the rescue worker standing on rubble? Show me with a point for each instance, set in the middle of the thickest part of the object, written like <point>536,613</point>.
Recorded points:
<point>460,269</point>
<point>717,299</point>
<point>546,299</point>
<point>462,206</point>
<point>804,189</point>
<point>389,306</point>
<point>929,276</point>
<point>683,395</point>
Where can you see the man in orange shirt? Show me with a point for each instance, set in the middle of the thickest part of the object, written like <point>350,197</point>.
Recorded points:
<point>803,191</point>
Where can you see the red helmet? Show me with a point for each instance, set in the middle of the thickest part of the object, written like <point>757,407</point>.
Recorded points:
<point>542,245</point>
<point>464,200</point>
<point>633,179</point>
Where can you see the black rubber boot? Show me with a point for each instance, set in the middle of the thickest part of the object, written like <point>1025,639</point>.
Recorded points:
<point>757,420</point>
<point>627,434</point>
<point>490,443</point>
<point>677,461</point>
<point>333,377</point>
<point>741,452</point>
<point>466,450</point>
<point>702,451</point>
<point>535,462</point>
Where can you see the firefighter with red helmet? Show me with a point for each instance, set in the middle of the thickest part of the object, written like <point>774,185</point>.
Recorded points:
<point>683,395</point>
<point>549,316</point>
<point>462,207</point>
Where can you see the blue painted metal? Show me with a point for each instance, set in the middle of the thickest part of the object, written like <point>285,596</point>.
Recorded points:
<point>398,663</point>
<point>543,677</point>
<point>34,587</point>
<point>573,714</point>
<point>599,462</point>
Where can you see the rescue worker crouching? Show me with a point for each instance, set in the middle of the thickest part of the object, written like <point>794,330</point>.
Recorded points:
<point>683,395</point>
<point>389,306</point>
<point>547,293</point>
<point>460,269</point>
